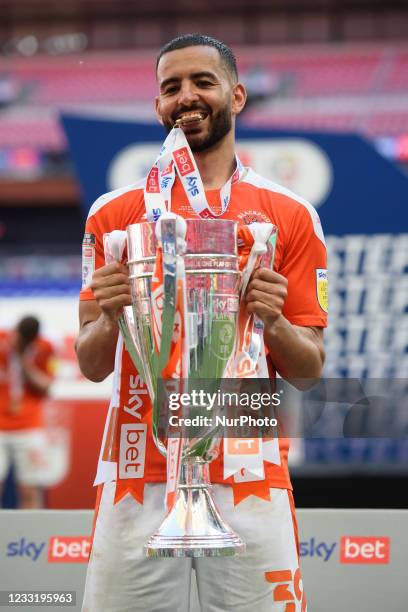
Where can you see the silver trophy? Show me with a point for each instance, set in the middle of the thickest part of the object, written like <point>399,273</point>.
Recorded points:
<point>193,526</point>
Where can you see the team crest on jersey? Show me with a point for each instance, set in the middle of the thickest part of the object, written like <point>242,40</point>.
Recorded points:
<point>322,289</point>
<point>253,216</point>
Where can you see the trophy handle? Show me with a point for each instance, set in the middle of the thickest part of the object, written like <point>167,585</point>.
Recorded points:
<point>127,326</point>
<point>114,245</point>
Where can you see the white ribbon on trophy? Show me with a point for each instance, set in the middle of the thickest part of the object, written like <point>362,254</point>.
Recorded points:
<point>244,457</point>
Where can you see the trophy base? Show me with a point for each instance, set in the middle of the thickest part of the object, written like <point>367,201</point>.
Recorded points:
<point>159,546</point>
<point>193,527</point>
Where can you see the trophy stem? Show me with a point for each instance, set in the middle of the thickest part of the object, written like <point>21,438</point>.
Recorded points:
<point>193,527</point>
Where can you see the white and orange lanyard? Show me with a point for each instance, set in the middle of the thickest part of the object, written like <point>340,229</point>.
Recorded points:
<point>176,156</point>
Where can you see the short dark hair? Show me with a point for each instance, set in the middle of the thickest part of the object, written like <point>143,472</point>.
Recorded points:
<point>28,328</point>
<point>195,40</point>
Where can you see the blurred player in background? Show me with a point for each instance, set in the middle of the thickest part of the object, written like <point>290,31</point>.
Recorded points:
<point>26,373</point>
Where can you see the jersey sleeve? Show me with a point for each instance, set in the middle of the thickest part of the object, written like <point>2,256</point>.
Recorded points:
<point>114,210</point>
<point>304,264</point>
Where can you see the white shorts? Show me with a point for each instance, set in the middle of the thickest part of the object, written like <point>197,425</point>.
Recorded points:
<point>25,450</point>
<point>265,578</point>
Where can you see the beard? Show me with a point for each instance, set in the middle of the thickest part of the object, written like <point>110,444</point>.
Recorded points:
<point>220,126</point>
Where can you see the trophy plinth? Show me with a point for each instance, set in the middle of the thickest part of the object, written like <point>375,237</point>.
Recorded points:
<point>194,527</point>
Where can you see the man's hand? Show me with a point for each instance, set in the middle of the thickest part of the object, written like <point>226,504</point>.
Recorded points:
<point>266,294</point>
<point>96,342</point>
<point>111,288</point>
<point>297,353</point>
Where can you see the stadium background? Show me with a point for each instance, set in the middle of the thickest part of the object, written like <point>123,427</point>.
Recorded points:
<point>318,71</point>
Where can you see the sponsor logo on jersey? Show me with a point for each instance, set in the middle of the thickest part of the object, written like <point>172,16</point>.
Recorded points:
<point>367,550</point>
<point>322,289</point>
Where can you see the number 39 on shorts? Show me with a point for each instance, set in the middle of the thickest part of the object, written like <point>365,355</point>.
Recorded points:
<point>288,589</point>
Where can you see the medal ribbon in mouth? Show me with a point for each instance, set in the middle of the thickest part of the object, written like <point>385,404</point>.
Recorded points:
<point>176,157</point>
<point>191,117</point>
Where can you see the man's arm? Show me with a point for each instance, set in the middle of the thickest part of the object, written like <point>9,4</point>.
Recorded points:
<point>98,335</point>
<point>296,352</point>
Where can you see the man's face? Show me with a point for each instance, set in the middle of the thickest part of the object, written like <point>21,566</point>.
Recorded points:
<point>195,79</point>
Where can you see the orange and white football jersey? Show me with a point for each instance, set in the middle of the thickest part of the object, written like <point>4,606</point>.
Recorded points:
<point>300,257</point>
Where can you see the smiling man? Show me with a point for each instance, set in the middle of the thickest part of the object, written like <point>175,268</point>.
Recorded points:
<point>203,101</point>
<point>199,91</point>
